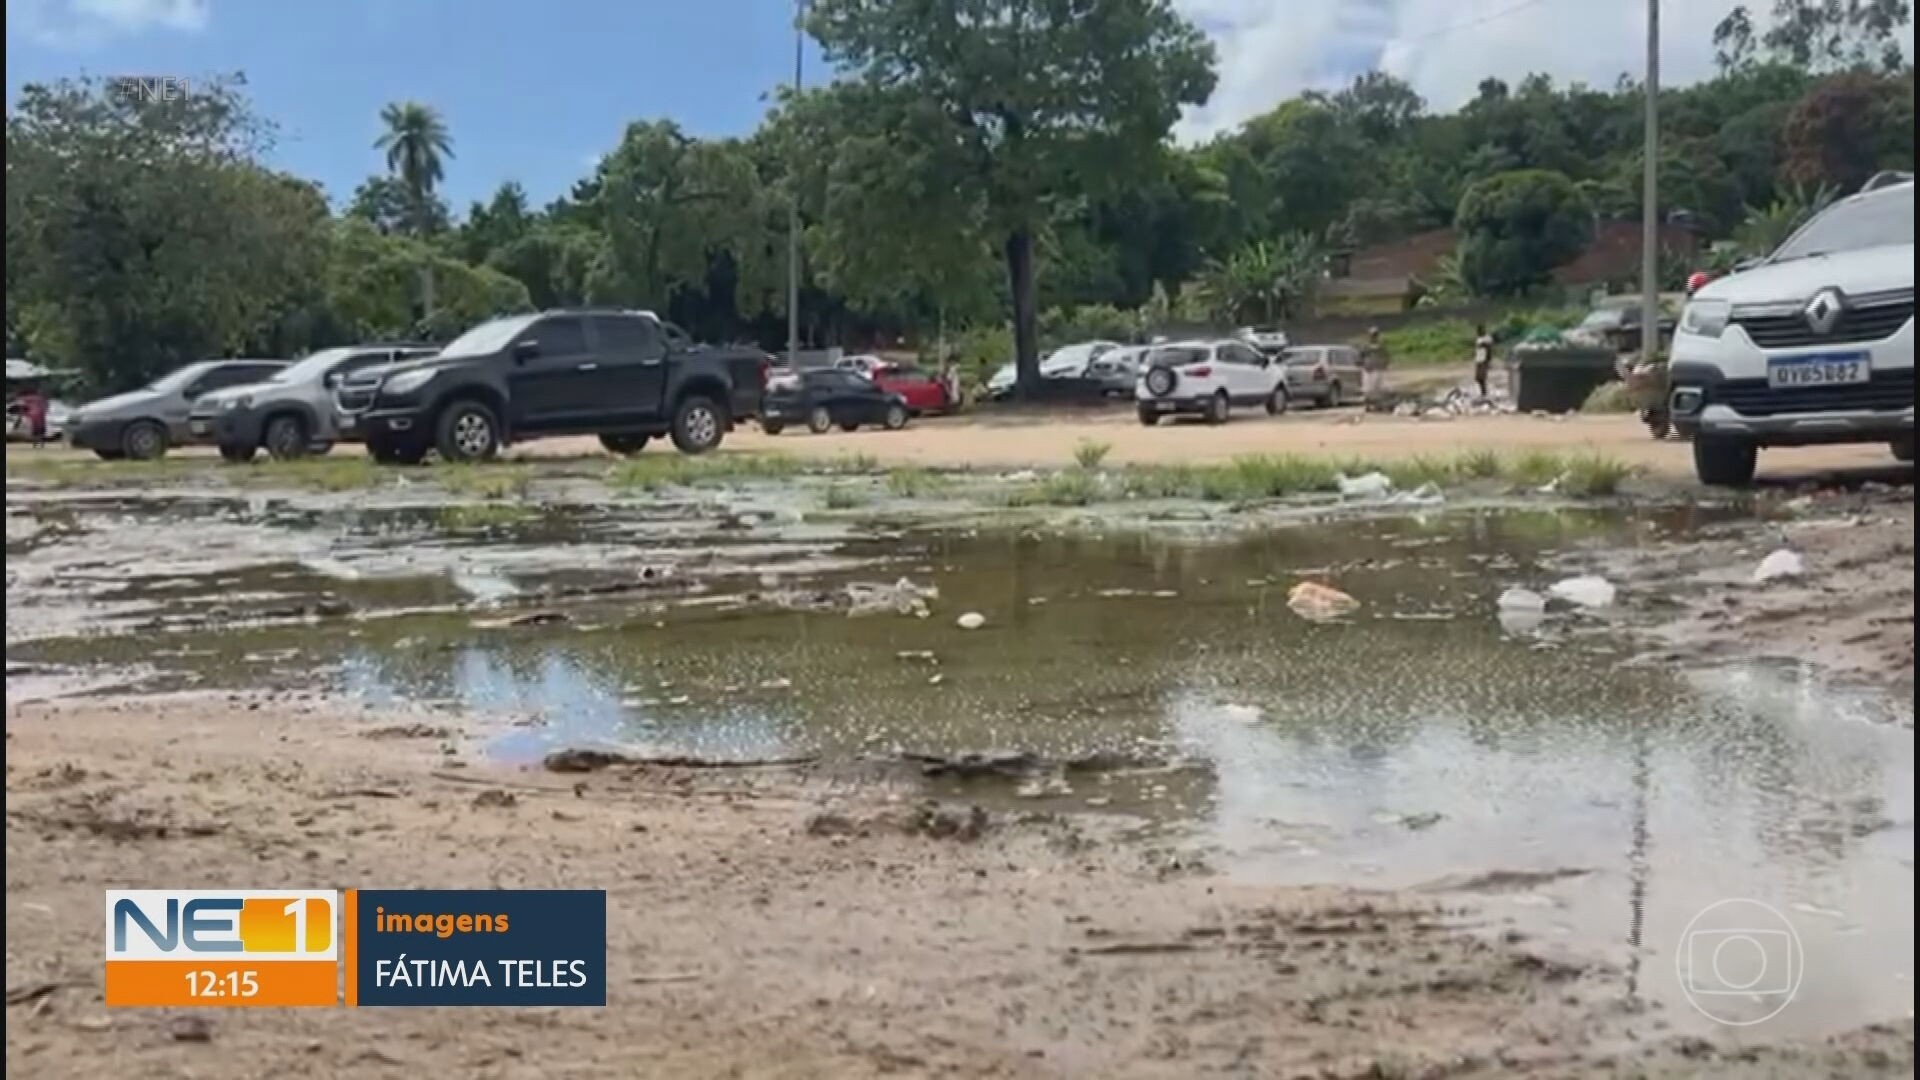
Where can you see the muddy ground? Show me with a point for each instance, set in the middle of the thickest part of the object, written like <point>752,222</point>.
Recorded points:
<point>856,916</point>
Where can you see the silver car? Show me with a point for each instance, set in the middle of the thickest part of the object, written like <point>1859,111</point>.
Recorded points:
<point>1327,375</point>
<point>292,413</point>
<point>141,424</point>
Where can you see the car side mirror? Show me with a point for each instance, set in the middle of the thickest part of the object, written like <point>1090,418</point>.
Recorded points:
<point>524,351</point>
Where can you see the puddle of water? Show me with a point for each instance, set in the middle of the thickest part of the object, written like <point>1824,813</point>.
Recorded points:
<point>1412,744</point>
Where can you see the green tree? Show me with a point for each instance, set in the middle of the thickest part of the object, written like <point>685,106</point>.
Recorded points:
<point>142,236</point>
<point>1848,127</point>
<point>417,144</point>
<point>383,202</point>
<point>1823,34</point>
<point>494,224</point>
<point>370,281</point>
<point>1517,226</point>
<point>1010,102</point>
<point>1265,281</point>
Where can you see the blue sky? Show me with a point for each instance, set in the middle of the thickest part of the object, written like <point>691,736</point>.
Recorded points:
<point>534,90</point>
<point>531,91</point>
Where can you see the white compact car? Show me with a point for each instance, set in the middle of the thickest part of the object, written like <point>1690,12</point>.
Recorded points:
<point>1208,378</point>
<point>1814,345</point>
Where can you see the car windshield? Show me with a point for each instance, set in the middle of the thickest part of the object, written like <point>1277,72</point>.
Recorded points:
<point>1176,356</point>
<point>1876,221</point>
<point>312,367</point>
<point>491,336</point>
<point>180,377</point>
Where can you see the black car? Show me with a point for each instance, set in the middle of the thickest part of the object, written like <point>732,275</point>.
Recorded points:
<point>625,376</point>
<point>823,397</point>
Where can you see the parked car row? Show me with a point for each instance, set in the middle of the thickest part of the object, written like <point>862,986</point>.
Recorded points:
<point>1211,378</point>
<point>626,376</point>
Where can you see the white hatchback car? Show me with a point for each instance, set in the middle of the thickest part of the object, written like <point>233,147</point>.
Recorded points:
<point>1208,378</point>
<point>1814,345</point>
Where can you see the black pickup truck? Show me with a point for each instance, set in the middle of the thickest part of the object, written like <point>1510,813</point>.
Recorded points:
<point>625,376</point>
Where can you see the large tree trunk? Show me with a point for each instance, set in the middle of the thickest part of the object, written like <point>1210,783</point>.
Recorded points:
<point>1026,329</point>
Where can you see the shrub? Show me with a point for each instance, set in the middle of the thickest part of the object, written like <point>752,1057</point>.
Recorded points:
<point>1089,453</point>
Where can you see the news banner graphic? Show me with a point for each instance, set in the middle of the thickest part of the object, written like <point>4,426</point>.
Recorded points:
<point>281,947</point>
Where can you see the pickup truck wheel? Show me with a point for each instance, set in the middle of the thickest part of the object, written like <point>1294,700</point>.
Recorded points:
<point>1218,408</point>
<point>467,431</point>
<point>698,424</point>
<point>1278,401</point>
<point>819,420</point>
<point>624,444</point>
<point>772,427</point>
<point>236,453</point>
<point>1149,417</point>
<point>896,417</point>
<point>1902,448</point>
<point>1724,462</point>
<point>286,438</point>
<point>144,440</point>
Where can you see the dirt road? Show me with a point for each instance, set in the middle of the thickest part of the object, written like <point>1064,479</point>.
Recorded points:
<point>1006,440</point>
<point>764,925</point>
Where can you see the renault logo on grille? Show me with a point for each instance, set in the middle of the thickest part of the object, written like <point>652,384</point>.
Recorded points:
<point>1824,310</point>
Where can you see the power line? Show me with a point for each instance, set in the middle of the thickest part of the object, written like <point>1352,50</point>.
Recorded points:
<point>1471,23</point>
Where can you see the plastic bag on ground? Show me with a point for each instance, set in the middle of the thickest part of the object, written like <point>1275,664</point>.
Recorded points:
<point>1587,591</point>
<point>1318,603</point>
<point>1517,599</point>
<point>902,597</point>
<point>1784,563</point>
<point>1371,485</point>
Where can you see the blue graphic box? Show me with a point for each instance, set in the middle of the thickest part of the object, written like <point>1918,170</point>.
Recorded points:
<point>479,947</point>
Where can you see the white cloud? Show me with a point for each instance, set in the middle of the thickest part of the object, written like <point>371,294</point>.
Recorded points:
<point>84,23</point>
<point>1271,50</point>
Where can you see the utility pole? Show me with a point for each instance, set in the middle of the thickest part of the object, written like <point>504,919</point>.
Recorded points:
<point>1649,200</point>
<point>793,203</point>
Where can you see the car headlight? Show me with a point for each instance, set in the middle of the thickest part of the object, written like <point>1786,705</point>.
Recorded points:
<point>231,404</point>
<point>408,381</point>
<point>1706,318</point>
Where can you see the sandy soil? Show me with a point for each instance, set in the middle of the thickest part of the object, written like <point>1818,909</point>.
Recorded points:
<point>773,924</point>
<point>1850,614</point>
<point>1016,438</point>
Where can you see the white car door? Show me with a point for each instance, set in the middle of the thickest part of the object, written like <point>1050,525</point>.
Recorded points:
<point>1246,378</point>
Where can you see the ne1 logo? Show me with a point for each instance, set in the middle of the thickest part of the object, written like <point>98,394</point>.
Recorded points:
<point>169,947</point>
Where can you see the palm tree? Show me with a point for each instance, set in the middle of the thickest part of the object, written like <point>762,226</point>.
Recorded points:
<point>416,141</point>
<point>1275,280</point>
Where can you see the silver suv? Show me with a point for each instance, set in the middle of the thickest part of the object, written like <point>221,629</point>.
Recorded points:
<point>291,414</point>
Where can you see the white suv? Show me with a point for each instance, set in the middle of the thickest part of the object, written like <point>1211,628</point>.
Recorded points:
<point>1207,378</point>
<point>1815,345</point>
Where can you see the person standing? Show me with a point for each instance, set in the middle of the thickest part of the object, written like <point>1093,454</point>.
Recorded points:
<point>1373,370</point>
<point>34,404</point>
<point>1482,357</point>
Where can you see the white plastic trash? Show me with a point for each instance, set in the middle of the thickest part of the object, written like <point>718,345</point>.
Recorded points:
<point>1587,591</point>
<point>1784,563</point>
<point>972,620</point>
<point>1517,599</point>
<point>1372,485</point>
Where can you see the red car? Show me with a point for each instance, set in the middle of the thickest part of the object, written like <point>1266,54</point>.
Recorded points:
<point>922,392</point>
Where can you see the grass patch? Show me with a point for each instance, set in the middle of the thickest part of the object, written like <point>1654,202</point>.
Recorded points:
<point>842,497</point>
<point>652,472</point>
<point>1089,453</point>
<point>486,481</point>
<point>1478,465</point>
<point>1422,469</point>
<point>1592,475</point>
<point>476,517</point>
<point>1073,488</point>
<point>916,483</point>
<point>1535,467</point>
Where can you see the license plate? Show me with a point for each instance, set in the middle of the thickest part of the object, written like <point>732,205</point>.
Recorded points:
<point>1820,369</point>
<point>200,427</point>
<point>344,423</point>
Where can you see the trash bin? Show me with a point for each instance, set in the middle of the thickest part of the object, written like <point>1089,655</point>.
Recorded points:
<point>1557,378</point>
